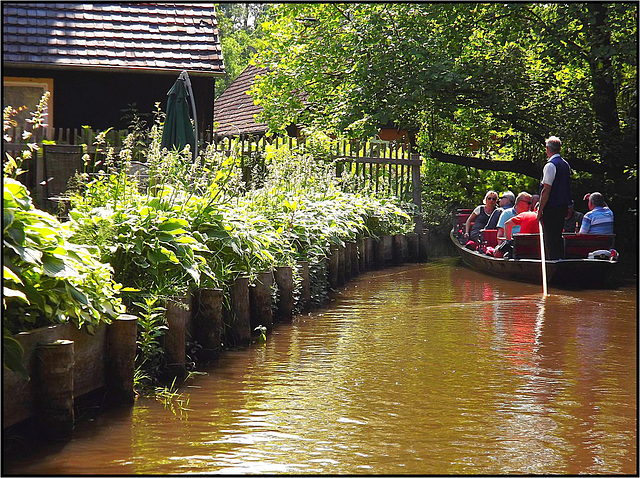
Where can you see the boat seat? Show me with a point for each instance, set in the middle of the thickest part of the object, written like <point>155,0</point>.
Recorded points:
<point>489,237</point>
<point>526,246</point>
<point>461,219</point>
<point>578,246</point>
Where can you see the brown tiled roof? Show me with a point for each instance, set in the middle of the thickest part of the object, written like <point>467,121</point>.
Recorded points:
<point>147,36</point>
<point>235,110</point>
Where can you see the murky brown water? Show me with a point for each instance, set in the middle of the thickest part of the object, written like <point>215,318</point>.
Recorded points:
<point>424,369</point>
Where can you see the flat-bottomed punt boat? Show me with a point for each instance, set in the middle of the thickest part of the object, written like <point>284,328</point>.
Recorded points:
<point>576,271</point>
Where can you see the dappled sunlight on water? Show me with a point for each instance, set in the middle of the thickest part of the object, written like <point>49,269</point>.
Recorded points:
<point>421,369</point>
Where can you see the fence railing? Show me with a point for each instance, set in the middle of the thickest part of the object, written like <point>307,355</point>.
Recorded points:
<point>386,167</point>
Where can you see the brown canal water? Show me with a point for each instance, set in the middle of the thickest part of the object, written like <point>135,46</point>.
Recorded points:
<point>422,369</point>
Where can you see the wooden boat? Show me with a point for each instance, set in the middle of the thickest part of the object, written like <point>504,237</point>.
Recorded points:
<point>576,271</point>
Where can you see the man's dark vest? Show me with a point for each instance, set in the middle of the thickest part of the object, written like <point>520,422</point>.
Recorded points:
<point>561,187</point>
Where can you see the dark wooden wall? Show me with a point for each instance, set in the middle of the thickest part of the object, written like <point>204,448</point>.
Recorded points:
<point>98,99</point>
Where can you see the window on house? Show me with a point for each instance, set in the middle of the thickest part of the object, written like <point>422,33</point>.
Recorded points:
<point>24,94</point>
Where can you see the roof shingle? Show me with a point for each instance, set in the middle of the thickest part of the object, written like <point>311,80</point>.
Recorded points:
<point>235,110</point>
<point>124,35</point>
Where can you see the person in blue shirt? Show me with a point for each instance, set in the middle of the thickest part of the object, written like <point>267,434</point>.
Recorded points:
<point>522,203</point>
<point>599,220</point>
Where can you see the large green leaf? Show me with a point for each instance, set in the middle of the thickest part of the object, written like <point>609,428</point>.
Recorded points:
<point>55,267</point>
<point>174,225</point>
<point>7,218</point>
<point>16,294</point>
<point>12,356</point>
<point>76,294</point>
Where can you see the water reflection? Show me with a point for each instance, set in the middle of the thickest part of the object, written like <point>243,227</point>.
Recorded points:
<point>425,369</point>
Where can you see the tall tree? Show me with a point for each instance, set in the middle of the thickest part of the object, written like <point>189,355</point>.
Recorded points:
<point>239,26</point>
<point>499,76</point>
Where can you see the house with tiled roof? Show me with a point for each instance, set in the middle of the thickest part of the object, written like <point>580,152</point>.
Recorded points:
<point>234,111</point>
<point>100,59</point>
<point>236,114</point>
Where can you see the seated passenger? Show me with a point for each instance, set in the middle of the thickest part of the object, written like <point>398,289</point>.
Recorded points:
<point>480,216</point>
<point>573,220</point>
<point>599,220</point>
<point>522,203</point>
<point>524,223</point>
<point>535,199</point>
<point>506,202</point>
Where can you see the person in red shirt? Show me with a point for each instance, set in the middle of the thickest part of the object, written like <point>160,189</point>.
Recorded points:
<point>524,223</point>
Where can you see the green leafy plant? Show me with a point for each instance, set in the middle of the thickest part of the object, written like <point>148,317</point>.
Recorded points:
<point>46,278</point>
<point>151,327</point>
<point>171,399</point>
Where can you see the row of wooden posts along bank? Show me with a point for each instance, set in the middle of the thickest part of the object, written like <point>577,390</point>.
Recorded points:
<point>65,363</point>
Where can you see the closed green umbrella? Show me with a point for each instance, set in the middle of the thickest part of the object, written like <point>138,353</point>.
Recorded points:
<point>178,131</point>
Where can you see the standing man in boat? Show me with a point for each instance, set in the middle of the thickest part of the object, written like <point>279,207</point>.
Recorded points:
<point>555,195</point>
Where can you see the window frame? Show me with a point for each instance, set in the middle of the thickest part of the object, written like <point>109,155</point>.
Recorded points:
<point>26,81</point>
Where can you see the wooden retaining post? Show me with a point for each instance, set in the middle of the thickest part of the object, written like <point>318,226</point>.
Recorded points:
<point>207,325</point>
<point>332,266</point>
<point>305,286</point>
<point>362,257</point>
<point>378,252</point>
<point>239,318</point>
<point>120,360</point>
<point>347,261</point>
<point>400,249</point>
<point>178,314</point>
<point>370,252</point>
<point>387,245</point>
<point>54,396</point>
<point>423,244</point>
<point>412,247</point>
<point>404,244</point>
<point>284,279</point>
<point>355,265</point>
<point>341,266</point>
<point>260,301</point>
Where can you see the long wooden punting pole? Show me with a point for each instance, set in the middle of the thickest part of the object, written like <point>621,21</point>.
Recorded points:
<point>543,262</point>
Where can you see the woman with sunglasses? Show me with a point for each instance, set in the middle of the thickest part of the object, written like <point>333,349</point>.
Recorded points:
<point>480,216</point>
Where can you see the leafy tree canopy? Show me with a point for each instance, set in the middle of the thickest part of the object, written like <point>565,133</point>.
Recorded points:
<point>476,84</point>
<point>239,27</point>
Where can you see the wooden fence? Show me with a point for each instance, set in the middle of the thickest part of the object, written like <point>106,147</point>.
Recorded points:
<point>389,168</point>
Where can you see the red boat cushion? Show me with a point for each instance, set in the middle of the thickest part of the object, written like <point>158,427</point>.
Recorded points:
<point>489,237</point>
<point>526,246</point>
<point>578,246</point>
<point>462,218</point>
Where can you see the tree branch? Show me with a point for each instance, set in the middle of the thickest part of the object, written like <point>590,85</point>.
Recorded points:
<point>527,168</point>
<point>516,166</point>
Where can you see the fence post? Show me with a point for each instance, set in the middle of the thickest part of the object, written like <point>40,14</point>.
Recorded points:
<point>207,318</point>
<point>260,300</point>
<point>417,193</point>
<point>333,266</point>
<point>239,317</point>
<point>55,395</point>
<point>341,265</point>
<point>305,289</point>
<point>362,257</point>
<point>284,278</point>
<point>177,315</point>
<point>355,266</point>
<point>122,335</point>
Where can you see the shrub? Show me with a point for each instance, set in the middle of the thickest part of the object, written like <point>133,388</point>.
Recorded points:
<point>46,278</point>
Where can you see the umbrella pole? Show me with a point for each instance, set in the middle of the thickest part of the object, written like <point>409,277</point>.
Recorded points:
<point>187,81</point>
